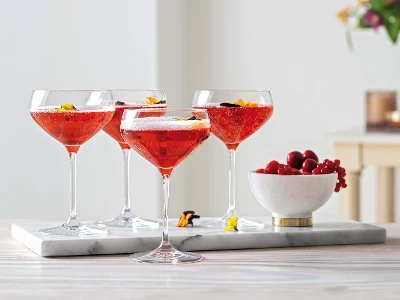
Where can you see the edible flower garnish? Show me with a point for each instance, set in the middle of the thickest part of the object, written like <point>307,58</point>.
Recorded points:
<point>232,224</point>
<point>119,103</point>
<point>241,102</point>
<point>151,100</point>
<point>65,106</point>
<point>187,218</point>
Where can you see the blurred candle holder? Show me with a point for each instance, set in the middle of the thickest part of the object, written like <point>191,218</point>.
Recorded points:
<point>379,108</point>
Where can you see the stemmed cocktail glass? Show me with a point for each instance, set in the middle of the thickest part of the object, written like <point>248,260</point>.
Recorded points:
<point>234,116</point>
<point>72,117</point>
<point>165,141</point>
<point>131,99</point>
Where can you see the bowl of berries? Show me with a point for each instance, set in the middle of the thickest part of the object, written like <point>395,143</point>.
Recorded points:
<point>293,191</point>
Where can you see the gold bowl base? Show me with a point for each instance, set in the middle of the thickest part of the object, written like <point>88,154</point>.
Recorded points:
<point>292,222</point>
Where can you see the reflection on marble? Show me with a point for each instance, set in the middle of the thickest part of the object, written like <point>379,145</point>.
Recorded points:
<point>325,231</point>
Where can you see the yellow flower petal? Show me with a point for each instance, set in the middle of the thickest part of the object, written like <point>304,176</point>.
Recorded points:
<point>65,106</point>
<point>151,100</point>
<point>232,224</point>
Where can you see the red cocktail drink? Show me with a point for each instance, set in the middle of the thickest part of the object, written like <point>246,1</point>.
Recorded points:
<point>72,128</point>
<point>165,146</point>
<point>232,125</point>
<point>113,127</point>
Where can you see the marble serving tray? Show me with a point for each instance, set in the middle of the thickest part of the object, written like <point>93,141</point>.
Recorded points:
<point>325,231</point>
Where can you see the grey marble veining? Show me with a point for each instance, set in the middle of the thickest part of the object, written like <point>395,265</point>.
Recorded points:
<point>325,231</point>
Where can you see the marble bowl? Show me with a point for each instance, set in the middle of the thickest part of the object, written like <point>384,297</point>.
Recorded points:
<point>292,199</point>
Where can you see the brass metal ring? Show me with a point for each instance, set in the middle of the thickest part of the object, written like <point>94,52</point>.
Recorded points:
<point>292,222</point>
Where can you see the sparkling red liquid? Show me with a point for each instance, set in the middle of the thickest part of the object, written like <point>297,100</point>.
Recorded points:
<point>232,125</point>
<point>112,128</point>
<point>166,148</point>
<point>72,128</point>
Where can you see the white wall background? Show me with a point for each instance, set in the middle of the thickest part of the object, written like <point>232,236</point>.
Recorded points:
<point>295,49</point>
<point>66,45</point>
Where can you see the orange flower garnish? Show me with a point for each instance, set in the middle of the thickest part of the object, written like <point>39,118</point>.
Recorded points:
<point>187,218</point>
<point>343,15</point>
<point>242,103</point>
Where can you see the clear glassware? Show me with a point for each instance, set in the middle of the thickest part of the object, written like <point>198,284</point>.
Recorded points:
<point>130,99</point>
<point>72,117</point>
<point>232,124</point>
<point>165,141</point>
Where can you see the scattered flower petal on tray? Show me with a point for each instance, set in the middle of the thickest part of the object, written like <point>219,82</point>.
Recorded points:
<point>232,224</point>
<point>187,218</point>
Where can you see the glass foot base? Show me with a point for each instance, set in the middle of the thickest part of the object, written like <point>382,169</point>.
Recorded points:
<point>75,229</point>
<point>129,221</point>
<point>166,256</point>
<point>243,224</point>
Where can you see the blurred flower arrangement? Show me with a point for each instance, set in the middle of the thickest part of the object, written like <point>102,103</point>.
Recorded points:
<point>367,14</point>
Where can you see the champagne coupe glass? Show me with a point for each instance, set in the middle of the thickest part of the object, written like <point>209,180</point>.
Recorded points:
<point>131,99</point>
<point>234,116</point>
<point>165,141</point>
<point>72,117</point>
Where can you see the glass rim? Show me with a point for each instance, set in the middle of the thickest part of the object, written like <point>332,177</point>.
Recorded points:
<point>165,109</point>
<point>137,90</point>
<point>236,91</point>
<point>73,90</point>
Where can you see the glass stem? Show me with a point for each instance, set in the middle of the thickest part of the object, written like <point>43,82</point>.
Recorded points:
<point>232,161</point>
<point>165,241</point>
<point>127,204</point>
<point>72,213</point>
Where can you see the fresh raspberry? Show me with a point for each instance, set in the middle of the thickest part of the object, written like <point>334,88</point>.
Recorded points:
<point>272,167</point>
<point>260,171</point>
<point>296,172</point>
<point>285,170</point>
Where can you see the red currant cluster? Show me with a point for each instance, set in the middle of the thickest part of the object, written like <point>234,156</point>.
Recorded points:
<point>328,167</point>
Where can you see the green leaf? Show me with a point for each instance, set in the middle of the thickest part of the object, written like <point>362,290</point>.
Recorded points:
<point>393,30</point>
<point>378,5</point>
<point>391,21</point>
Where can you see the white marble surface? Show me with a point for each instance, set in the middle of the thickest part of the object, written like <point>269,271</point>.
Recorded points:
<point>359,135</point>
<point>326,231</point>
<point>356,272</point>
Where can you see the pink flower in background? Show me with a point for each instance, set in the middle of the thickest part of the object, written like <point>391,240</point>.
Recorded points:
<point>373,19</point>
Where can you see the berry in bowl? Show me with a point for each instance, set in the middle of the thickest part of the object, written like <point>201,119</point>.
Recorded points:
<point>293,191</point>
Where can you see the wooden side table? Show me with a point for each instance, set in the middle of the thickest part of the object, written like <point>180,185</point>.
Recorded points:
<point>356,148</point>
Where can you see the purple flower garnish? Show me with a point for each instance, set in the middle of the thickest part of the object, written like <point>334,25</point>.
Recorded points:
<point>373,19</point>
<point>193,216</point>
